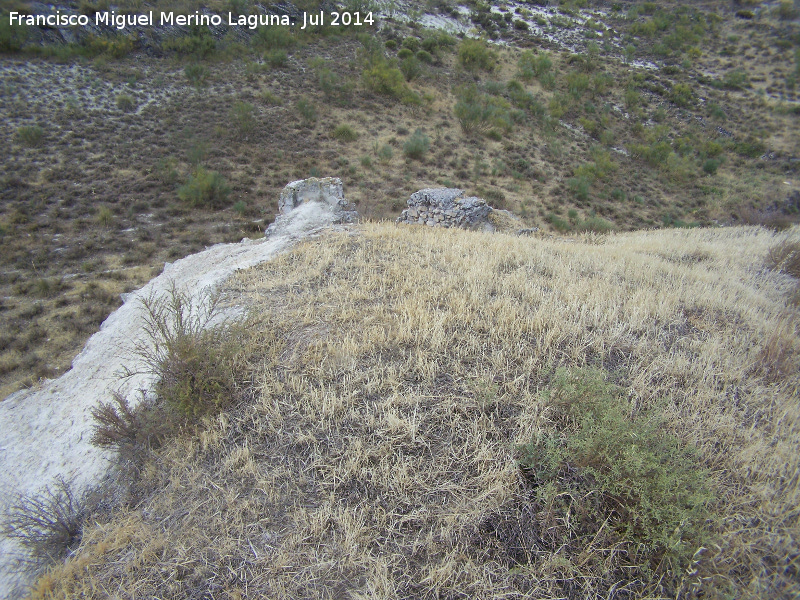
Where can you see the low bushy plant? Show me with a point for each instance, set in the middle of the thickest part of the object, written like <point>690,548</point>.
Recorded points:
<point>479,112</point>
<point>243,117</point>
<point>649,486</point>
<point>475,55</point>
<point>205,188</point>
<point>345,133</point>
<point>196,73</point>
<point>533,65</point>
<point>30,135</point>
<point>199,365</point>
<point>417,145</point>
<point>383,78</point>
<point>126,103</point>
<point>48,524</point>
<point>307,110</point>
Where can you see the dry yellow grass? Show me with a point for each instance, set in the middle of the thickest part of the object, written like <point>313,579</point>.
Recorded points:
<point>398,369</point>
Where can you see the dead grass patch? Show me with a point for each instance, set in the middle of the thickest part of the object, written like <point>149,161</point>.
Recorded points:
<point>396,373</point>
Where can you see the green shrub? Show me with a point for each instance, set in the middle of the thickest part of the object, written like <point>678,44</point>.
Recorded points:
<point>345,133</point>
<point>558,223</point>
<point>594,224</point>
<point>199,43</point>
<point>382,78</point>
<point>438,42</point>
<point>411,43</point>
<point>478,112</point>
<point>30,135</point>
<point>786,11</point>
<point>533,65</point>
<point>646,484</point>
<point>475,54</point>
<point>12,38</point>
<point>125,103</point>
<point>579,186</point>
<point>390,45</point>
<point>334,86</point>
<point>424,56</point>
<point>405,53</point>
<point>734,80</point>
<point>196,73</point>
<point>273,38</point>
<point>411,68</point>
<point>276,58</point>
<point>417,145</point>
<point>105,217</point>
<point>307,110</point>
<point>243,117</point>
<point>710,165</point>
<point>750,147</point>
<point>205,188</point>
<point>385,153</point>
<point>577,84</point>
<point>198,366</point>
<point>548,80</point>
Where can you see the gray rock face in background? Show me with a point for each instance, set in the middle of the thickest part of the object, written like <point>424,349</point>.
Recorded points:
<point>447,207</point>
<point>326,193</point>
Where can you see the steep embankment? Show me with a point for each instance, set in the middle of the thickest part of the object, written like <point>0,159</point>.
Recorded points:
<point>45,431</point>
<point>442,414</point>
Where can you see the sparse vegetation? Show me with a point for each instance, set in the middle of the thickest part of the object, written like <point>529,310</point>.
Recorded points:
<point>205,188</point>
<point>417,145</point>
<point>551,448</point>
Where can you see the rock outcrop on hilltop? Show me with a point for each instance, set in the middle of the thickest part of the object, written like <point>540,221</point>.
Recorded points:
<point>322,197</point>
<point>448,207</point>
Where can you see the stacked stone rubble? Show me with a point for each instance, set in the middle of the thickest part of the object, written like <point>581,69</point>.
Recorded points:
<point>446,207</point>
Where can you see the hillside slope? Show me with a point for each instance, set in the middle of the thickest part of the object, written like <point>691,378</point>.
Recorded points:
<point>453,414</point>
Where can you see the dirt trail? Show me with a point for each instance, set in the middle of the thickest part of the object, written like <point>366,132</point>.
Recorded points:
<point>45,431</point>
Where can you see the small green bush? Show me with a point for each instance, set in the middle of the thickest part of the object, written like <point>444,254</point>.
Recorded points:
<point>594,224</point>
<point>533,65</point>
<point>126,103</point>
<point>198,366</point>
<point>478,112</point>
<point>411,68</point>
<point>405,53</point>
<point>307,110</point>
<point>205,188</point>
<point>276,58</point>
<point>385,153</point>
<point>652,488</point>
<point>382,78</point>
<point>417,145</point>
<point>710,166</point>
<point>558,223</point>
<point>425,57</point>
<point>243,117</point>
<point>577,84</point>
<point>12,38</point>
<point>390,45</point>
<point>412,43</point>
<point>196,73</point>
<point>273,38</point>
<point>199,43</point>
<point>345,133</point>
<point>476,55</point>
<point>30,135</point>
